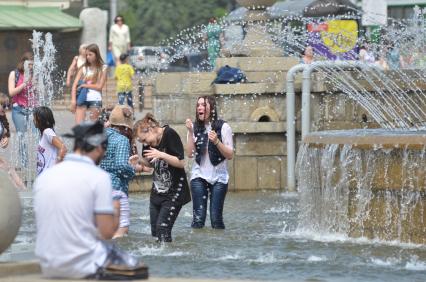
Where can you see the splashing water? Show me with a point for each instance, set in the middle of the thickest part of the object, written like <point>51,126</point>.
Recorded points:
<point>40,93</point>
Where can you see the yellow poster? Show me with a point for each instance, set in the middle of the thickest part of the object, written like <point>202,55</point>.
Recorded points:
<point>340,36</point>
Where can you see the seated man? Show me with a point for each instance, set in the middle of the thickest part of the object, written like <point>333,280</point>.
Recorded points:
<point>75,213</point>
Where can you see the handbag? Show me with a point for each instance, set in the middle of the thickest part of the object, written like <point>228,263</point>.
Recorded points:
<point>81,93</point>
<point>110,59</point>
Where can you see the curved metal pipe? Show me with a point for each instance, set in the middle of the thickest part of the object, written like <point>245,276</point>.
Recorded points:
<point>306,105</point>
<point>291,126</point>
<point>306,86</point>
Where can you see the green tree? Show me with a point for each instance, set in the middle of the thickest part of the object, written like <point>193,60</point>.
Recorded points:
<point>152,21</point>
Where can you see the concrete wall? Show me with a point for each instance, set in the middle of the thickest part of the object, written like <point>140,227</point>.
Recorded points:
<point>256,112</point>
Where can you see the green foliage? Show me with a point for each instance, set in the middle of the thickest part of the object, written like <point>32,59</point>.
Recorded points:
<point>151,21</point>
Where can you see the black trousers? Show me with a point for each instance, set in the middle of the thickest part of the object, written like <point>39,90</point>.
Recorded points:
<point>163,213</point>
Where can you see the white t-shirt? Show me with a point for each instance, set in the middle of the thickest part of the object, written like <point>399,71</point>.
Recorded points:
<point>66,199</point>
<point>46,152</point>
<point>92,94</point>
<point>206,170</point>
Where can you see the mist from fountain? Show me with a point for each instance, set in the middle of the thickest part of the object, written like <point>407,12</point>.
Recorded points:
<point>40,93</point>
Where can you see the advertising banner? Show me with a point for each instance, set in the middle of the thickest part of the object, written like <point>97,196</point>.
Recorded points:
<point>334,39</point>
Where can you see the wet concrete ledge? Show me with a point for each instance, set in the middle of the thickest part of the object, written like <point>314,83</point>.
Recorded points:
<point>29,271</point>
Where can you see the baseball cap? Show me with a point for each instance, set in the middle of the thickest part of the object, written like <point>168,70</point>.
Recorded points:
<point>90,132</point>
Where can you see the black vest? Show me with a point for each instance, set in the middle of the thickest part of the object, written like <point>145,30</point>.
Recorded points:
<point>202,137</point>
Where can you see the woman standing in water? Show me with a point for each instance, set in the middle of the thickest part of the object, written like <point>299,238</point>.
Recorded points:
<point>86,91</point>
<point>170,187</point>
<point>19,86</point>
<point>209,139</point>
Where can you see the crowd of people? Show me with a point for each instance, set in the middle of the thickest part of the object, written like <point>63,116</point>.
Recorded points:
<point>81,194</point>
<point>389,57</point>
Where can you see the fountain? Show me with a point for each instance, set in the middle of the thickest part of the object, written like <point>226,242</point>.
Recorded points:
<point>40,94</point>
<point>359,211</point>
<point>364,183</point>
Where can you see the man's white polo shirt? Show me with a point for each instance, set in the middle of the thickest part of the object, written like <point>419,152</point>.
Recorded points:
<point>66,198</point>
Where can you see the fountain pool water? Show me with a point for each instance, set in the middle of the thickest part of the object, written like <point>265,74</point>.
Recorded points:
<point>261,242</point>
<point>364,183</point>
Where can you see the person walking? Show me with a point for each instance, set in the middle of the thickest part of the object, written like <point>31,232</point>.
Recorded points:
<point>119,38</point>
<point>51,149</point>
<point>209,140</point>
<point>116,161</point>
<point>75,213</point>
<point>20,89</point>
<point>170,191</point>
<point>76,64</point>
<point>86,93</point>
<point>123,75</point>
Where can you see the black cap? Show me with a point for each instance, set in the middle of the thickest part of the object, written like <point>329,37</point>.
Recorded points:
<point>91,132</point>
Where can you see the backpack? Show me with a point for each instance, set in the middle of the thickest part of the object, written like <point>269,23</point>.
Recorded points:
<point>229,74</point>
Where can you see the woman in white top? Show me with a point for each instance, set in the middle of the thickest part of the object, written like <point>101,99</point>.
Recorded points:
<point>87,87</point>
<point>119,38</point>
<point>77,63</point>
<point>209,140</point>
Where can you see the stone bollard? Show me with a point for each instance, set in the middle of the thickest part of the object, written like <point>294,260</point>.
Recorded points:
<point>10,211</point>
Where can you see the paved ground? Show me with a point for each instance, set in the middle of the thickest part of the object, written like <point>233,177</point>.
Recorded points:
<point>30,272</point>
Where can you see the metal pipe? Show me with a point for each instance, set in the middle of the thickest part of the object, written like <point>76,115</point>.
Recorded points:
<point>306,87</point>
<point>306,105</point>
<point>291,126</point>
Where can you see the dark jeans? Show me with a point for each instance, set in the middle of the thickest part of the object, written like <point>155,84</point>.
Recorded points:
<point>163,213</point>
<point>201,189</point>
<point>125,96</point>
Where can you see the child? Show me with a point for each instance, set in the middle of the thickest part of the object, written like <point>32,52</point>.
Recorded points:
<point>123,74</point>
<point>116,161</point>
<point>76,63</point>
<point>50,148</point>
<point>170,189</point>
<point>4,141</point>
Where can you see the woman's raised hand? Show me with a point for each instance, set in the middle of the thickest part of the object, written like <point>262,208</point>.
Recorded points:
<point>189,125</point>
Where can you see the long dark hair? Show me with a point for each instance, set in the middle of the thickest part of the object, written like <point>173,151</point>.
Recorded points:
<point>213,113</point>
<point>27,56</point>
<point>43,118</point>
